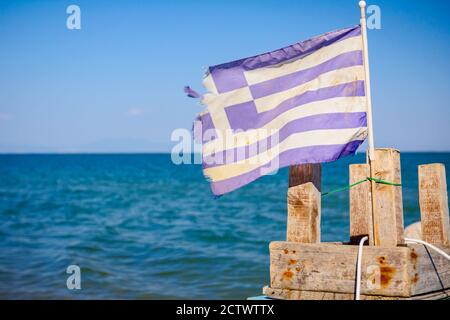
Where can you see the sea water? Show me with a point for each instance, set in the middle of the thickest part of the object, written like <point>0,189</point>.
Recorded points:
<point>140,227</point>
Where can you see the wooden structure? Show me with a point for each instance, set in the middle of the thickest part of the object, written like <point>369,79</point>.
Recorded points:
<point>304,268</point>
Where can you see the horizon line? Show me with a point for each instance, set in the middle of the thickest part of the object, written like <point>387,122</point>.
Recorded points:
<point>159,152</point>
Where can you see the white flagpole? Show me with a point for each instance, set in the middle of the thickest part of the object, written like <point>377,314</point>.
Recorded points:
<point>362,6</point>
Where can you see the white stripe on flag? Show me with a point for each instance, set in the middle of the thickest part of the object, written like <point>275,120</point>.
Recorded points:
<point>316,58</point>
<point>329,79</point>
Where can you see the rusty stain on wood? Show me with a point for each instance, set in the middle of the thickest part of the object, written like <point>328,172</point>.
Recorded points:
<point>292,261</point>
<point>415,279</point>
<point>288,274</point>
<point>387,273</point>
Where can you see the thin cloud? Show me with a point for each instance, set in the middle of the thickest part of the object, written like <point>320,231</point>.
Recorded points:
<point>135,112</point>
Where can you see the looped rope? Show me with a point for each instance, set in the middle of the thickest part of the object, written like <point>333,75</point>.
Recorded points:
<point>380,181</point>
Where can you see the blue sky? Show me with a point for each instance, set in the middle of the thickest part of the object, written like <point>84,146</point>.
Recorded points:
<point>116,84</point>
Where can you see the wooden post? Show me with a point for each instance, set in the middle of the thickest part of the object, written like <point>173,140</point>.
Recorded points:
<point>433,201</point>
<point>388,203</point>
<point>305,173</point>
<point>360,205</point>
<point>304,201</point>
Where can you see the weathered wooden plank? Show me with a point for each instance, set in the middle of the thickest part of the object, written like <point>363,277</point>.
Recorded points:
<point>396,272</point>
<point>433,201</point>
<point>429,271</point>
<point>360,204</point>
<point>287,294</point>
<point>303,223</point>
<point>388,211</point>
<point>332,268</point>
<point>304,173</point>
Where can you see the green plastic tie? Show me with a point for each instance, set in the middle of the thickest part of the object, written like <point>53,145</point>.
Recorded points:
<point>384,182</point>
<point>359,182</point>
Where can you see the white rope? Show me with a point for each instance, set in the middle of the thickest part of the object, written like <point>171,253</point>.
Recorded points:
<point>358,268</point>
<point>410,240</point>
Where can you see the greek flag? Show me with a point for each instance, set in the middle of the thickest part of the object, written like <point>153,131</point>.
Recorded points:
<point>304,103</point>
